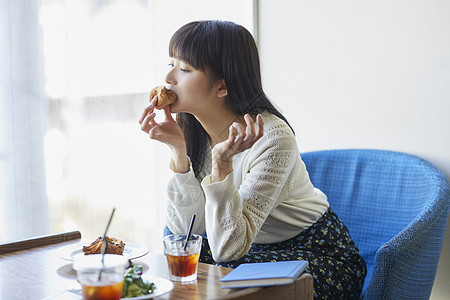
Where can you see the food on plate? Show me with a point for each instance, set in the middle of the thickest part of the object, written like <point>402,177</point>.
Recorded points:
<point>165,96</point>
<point>134,285</point>
<point>115,246</point>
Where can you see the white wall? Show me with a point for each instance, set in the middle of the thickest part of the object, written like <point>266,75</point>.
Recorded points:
<point>363,74</point>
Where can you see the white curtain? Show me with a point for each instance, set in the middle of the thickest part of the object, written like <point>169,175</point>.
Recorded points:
<point>75,78</point>
<point>24,208</point>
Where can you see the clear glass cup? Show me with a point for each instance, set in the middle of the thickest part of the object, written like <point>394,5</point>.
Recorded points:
<point>101,281</point>
<point>182,261</point>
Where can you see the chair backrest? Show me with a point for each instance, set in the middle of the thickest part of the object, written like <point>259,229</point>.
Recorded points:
<point>395,206</point>
<point>39,241</point>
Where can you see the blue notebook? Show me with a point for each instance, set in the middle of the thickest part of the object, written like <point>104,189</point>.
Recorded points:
<point>264,274</point>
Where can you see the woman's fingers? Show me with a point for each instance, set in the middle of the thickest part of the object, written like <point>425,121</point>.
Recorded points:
<point>151,119</point>
<point>148,123</point>
<point>240,133</point>
<point>243,139</point>
<point>240,138</point>
<point>232,134</point>
<point>253,135</point>
<point>168,114</point>
<point>148,110</point>
<point>250,129</point>
<point>154,101</point>
<point>260,123</point>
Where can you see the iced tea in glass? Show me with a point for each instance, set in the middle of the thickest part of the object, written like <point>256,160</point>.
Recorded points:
<point>102,291</point>
<point>182,257</point>
<point>101,281</point>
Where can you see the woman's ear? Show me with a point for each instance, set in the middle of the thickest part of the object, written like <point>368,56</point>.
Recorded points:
<point>222,88</point>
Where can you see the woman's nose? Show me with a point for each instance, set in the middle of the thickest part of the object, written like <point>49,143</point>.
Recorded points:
<point>170,78</point>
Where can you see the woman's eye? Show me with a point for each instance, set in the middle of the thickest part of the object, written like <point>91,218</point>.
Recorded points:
<point>170,64</point>
<point>184,70</point>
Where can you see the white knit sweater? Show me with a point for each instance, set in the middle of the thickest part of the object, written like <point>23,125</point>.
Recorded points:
<point>268,197</point>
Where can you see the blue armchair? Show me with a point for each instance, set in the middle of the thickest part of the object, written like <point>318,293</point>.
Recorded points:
<point>396,207</point>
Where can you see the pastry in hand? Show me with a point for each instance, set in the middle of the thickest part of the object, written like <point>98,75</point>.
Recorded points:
<point>115,246</point>
<point>165,96</point>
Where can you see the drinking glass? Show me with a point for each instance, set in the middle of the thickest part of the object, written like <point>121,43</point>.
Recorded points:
<point>182,257</point>
<point>101,281</point>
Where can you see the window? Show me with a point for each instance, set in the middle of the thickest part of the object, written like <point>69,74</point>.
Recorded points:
<point>77,76</point>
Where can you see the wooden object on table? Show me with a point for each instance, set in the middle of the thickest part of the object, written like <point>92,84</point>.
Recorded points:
<point>39,241</point>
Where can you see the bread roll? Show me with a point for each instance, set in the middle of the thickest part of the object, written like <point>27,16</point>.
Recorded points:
<point>115,246</point>
<point>165,97</point>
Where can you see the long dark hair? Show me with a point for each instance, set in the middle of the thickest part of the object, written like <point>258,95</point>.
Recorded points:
<point>229,51</point>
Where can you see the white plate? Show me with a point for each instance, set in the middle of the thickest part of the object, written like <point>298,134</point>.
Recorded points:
<point>71,251</point>
<point>163,286</point>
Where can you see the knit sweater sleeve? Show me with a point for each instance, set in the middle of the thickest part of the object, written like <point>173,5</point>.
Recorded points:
<point>185,198</point>
<point>235,214</point>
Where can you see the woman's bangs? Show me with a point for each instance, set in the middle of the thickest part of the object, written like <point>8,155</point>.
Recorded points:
<point>187,45</point>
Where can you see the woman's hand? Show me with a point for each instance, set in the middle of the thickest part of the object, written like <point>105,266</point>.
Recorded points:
<point>168,132</point>
<point>239,139</point>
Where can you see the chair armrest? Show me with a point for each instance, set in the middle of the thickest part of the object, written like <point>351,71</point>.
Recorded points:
<point>404,256</point>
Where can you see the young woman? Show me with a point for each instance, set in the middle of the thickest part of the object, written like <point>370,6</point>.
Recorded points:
<point>236,165</point>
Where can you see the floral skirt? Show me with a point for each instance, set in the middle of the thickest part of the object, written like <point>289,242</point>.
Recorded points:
<point>335,264</point>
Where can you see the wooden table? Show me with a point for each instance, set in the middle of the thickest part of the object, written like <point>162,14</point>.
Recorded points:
<point>39,273</point>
